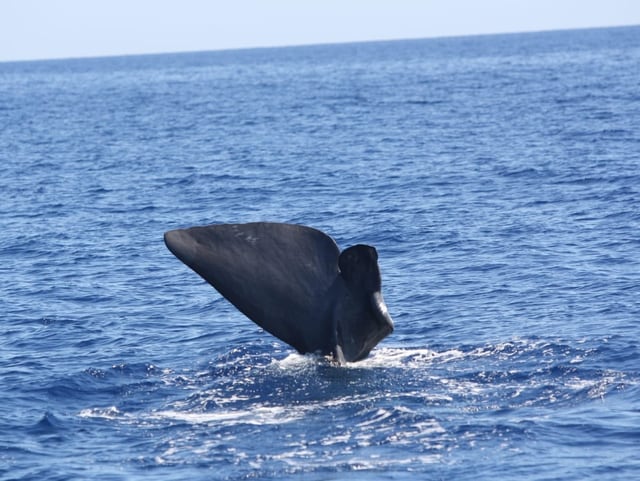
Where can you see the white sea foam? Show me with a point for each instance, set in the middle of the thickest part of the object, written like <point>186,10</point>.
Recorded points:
<point>396,357</point>
<point>110,412</point>
<point>295,362</point>
<point>259,415</point>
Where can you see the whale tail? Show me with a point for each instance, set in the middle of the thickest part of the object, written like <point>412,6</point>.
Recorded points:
<point>293,282</point>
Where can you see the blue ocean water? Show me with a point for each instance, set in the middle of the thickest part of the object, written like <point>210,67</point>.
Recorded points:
<point>498,177</point>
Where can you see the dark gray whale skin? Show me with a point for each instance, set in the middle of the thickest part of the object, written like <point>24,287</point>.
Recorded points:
<point>292,281</point>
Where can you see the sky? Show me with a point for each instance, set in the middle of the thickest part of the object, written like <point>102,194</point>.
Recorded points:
<point>43,29</point>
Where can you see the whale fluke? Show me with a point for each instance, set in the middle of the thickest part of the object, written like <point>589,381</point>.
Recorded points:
<point>293,282</point>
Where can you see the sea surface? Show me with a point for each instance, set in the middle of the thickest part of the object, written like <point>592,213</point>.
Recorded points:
<point>497,176</point>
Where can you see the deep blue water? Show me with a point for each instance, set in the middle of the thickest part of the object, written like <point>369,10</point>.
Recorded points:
<point>498,177</point>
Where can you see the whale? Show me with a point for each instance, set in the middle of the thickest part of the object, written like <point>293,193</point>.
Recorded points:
<point>294,282</point>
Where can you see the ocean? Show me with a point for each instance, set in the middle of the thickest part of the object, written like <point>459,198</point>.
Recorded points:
<point>497,176</point>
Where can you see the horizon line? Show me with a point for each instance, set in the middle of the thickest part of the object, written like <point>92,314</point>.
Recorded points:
<point>310,44</point>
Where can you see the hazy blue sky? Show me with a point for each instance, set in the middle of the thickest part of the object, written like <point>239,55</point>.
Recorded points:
<point>34,29</point>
